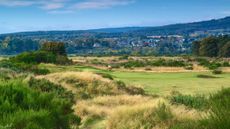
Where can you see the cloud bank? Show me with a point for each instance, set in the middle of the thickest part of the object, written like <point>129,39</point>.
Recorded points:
<point>65,6</point>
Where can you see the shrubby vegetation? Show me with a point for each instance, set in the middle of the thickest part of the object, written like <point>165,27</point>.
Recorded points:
<point>28,103</point>
<point>28,61</point>
<point>212,64</point>
<point>218,110</point>
<point>156,63</point>
<point>23,106</point>
<point>132,63</point>
<point>50,52</point>
<point>198,102</point>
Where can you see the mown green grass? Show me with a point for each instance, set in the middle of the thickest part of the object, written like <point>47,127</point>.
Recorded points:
<point>160,83</point>
<point>164,83</point>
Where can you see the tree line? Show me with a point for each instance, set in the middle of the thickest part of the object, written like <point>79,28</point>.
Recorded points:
<point>212,47</point>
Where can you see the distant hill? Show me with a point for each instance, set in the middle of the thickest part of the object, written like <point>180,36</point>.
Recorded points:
<point>222,24</point>
<point>210,25</point>
<point>119,41</point>
<point>185,28</point>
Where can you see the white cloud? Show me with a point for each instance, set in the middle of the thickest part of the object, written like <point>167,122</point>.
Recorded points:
<point>12,3</point>
<point>52,6</point>
<point>66,6</point>
<point>226,12</point>
<point>97,4</point>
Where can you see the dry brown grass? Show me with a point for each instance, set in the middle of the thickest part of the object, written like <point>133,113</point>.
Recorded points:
<point>88,85</point>
<point>63,77</point>
<point>84,76</point>
<point>133,112</point>
<point>105,105</point>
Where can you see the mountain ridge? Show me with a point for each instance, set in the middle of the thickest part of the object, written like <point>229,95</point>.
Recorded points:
<point>178,28</point>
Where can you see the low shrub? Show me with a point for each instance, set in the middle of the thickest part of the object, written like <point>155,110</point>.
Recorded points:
<point>159,62</point>
<point>212,65</point>
<point>197,102</point>
<point>38,57</point>
<point>218,107</point>
<point>22,107</point>
<point>46,86</point>
<point>23,67</point>
<point>187,124</point>
<point>217,71</point>
<point>206,76</point>
<point>219,110</point>
<point>226,64</point>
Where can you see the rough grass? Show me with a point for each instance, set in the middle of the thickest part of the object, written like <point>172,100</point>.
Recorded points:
<point>88,85</point>
<point>130,112</point>
<point>99,109</point>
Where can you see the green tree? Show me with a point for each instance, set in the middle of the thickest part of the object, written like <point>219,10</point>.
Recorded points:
<point>226,50</point>
<point>196,48</point>
<point>209,47</point>
<point>54,47</point>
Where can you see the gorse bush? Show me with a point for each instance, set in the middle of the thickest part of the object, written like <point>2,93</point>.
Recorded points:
<point>23,67</point>
<point>28,61</point>
<point>22,107</point>
<point>46,86</point>
<point>159,62</point>
<point>37,57</point>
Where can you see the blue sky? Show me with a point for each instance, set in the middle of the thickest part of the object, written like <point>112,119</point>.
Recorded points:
<point>31,15</point>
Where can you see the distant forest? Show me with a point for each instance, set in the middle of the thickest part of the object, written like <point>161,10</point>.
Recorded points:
<point>104,42</point>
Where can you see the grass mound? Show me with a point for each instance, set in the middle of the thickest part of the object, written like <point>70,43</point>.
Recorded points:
<point>88,85</point>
